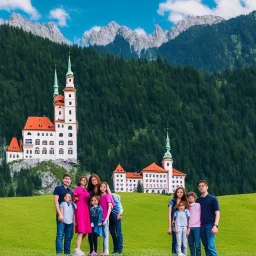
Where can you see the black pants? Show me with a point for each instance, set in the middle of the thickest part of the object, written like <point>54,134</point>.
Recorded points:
<point>93,241</point>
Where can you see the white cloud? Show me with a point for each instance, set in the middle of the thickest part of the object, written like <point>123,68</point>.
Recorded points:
<point>140,31</point>
<point>61,15</point>
<point>24,5</point>
<point>180,9</point>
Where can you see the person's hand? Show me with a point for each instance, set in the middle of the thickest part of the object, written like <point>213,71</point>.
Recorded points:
<point>187,233</point>
<point>214,230</point>
<point>176,231</point>
<point>60,218</point>
<point>100,224</point>
<point>119,217</point>
<point>169,231</point>
<point>75,199</point>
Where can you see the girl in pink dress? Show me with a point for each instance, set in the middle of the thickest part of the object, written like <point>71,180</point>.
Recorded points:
<point>83,222</point>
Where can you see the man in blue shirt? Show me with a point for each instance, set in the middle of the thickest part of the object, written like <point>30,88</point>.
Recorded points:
<point>115,225</point>
<point>210,217</point>
<point>59,193</point>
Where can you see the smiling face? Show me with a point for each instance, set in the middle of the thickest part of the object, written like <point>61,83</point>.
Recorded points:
<point>103,188</point>
<point>67,198</point>
<point>180,193</point>
<point>94,181</point>
<point>94,201</point>
<point>202,187</point>
<point>191,199</point>
<point>66,181</point>
<point>181,207</point>
<point>83,181</point>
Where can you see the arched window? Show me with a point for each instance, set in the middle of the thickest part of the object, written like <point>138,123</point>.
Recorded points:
<point>37,142</point>
<point>51,142</point>
<point>70,151</point>
<point>29,133</point>
<point>70,112</point>
<point>37,151</point>
<point>61,135</point>
<point>61,142</point>
<point>70,142</point>
<point>69,95</point>
<point>59,112</point>
<point>44,142</point>
<point>61,151</point>
<point>51,151</point>
<point>44,151</point>
<point>70,135</point>
<point>42,134</point>
<point>70,103</point>
<point>70,127</point>
<point>38,134</point>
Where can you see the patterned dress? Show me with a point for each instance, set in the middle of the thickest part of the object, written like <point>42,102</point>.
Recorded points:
<point>83,222</point>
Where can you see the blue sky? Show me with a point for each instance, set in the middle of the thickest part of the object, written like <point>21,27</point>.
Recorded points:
<point>76,16</point>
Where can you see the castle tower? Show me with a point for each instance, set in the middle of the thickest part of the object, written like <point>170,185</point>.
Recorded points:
<point>167,163</point>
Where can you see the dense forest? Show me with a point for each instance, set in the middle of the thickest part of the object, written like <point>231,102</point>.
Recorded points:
<point>124,108</point>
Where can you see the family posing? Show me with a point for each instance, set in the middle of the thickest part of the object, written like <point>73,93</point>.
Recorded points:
<point>93,211</point>
<point>194,218</point>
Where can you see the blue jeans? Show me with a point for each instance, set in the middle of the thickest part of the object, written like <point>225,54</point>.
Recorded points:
<point>105,229</point>
<point>181,246</point>
<point>194,242</point>
<point>115,228</point>
<point>208,240</point>
<point>66,231</point>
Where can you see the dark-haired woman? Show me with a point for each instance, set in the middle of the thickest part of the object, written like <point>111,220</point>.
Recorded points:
<point>83,223</point>
<point>179,195</point>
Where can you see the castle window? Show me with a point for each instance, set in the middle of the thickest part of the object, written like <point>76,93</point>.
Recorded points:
<point>51,142</point>
<point>44,142</point>
<point>167,164</point>
<point>38,134</point>
<point>70,112</point>
<point>40,125</point>
<point>51,134</point>
<point>70,151</point>
<point>17,156</point>
<point>13,156</point>
<point>44,151</point>
<point>51,151</point>
<point>37,142</point>
<point>37,151</point>
<point>42,134</point>
<point>27,151</point>
<point>28,141</point>
<point>61,151</point>
<point>61,135</point>
<point>69,95</point>
<point>29,133</point>
<point>61,142</point>
<point>70,103</point>
<point>30,151</point>
<point>59,112</point>
<point>70,142</point>
<point>46,134</point>
<point>62,126</point>
<point>10,155</point>
<point>58,126</point>
<point>70,135</point>
<point>69,79</point>
<point>70,120</point>
<point>70,127</point>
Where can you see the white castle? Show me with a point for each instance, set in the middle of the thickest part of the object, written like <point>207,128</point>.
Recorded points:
<point>45,140</point>
<point>154,179</point>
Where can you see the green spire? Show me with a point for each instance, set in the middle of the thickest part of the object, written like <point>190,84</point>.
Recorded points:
<point>56,86</point>
<point>168,147</point>
<point>69,73</point>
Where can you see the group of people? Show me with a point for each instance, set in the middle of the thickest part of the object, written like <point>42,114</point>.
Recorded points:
<point>193,220</point>
<point>90,209</point>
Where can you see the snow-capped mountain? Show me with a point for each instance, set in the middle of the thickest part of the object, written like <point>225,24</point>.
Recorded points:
<point>48,30</point>
<point>138,39</point>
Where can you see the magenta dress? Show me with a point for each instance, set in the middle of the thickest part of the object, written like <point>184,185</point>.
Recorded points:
<point>82,213</point>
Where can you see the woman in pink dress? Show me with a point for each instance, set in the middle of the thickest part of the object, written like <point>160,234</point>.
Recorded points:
<point>83,223</point>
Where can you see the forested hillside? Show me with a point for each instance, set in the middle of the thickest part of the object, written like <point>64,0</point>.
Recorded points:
<point>125,106</point>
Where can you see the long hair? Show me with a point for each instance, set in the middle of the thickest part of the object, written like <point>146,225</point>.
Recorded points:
<point>184,197</point>
<point>103,183</point>
<point>91,187</point>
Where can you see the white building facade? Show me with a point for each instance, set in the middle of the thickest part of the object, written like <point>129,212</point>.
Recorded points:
<point>154,179</point>
<point>44,140</point>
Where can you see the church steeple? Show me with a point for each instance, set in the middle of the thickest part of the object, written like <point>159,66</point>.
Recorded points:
<point>168,147</point>
<point>56,86</point>
<point>69,73</point>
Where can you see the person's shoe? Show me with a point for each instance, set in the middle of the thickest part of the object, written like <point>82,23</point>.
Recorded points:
<point>104,253</point>
<point>78,252</point>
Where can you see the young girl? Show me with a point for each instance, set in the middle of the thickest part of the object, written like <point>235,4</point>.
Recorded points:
<point>180,219</point>
<point>106,202</point>
<point>194,225</point>
<point>83,224</point>
<point>67,209</point>
<point>96,213</point>
<point>179,195</point>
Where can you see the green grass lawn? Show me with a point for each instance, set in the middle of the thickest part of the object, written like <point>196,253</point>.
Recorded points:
<point>28,226</point>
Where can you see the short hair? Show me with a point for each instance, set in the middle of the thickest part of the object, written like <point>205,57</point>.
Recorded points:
<point>96,197</point>
<point>66,175</point>
<point>191,193</point>
<point>202,181</point>
<point>67,194</point>
<point>184,203</point>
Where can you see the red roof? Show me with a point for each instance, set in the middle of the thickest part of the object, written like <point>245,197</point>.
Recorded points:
<point>14,146</point>
<point>119,169</point>
<point>69,89</point>
<point>154,168</point>
<point>59,100</point>
<point>39,123</point>
<point>177,173</point>
<point>133,175</point>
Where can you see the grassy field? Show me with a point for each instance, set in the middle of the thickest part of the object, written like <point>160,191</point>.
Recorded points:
<point>28,226</point>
